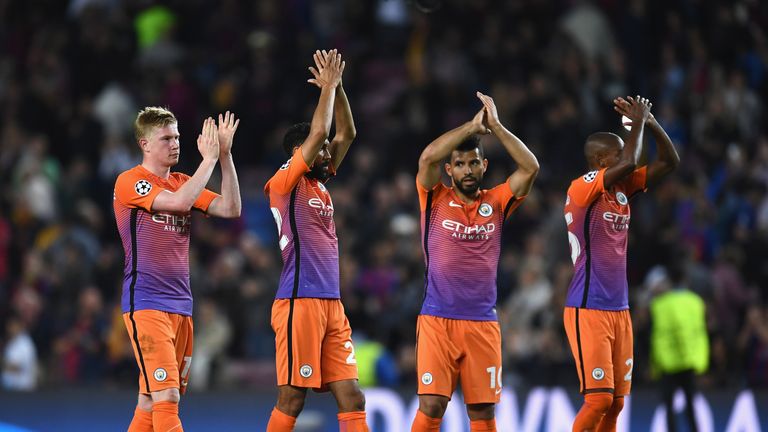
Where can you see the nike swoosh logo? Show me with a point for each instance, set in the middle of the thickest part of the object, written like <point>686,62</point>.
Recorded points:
<point>453,204</point>
<point>498,391</point>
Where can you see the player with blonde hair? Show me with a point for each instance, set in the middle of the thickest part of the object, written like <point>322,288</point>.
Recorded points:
<point>153,212</point>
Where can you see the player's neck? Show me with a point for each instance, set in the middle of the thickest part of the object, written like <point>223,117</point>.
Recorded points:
<point>468,199</point>
<point>162,171</point>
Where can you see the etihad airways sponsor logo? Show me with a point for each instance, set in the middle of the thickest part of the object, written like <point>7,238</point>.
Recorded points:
<point>620,222</point>
<point>325,209</point>
<point>173,223</point>
<point>469,232</point>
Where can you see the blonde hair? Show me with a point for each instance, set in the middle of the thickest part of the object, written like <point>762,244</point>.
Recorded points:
<point>152,117</point>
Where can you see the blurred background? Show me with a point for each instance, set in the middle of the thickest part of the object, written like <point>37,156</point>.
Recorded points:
<point>73,75</point>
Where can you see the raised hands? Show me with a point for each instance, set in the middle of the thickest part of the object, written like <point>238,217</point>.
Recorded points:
<point>638,109</point>
<point>208,140</point>
<point>491,115</point>
<point>226,132</point>
<point>329,68</point>
<point>479,124</point>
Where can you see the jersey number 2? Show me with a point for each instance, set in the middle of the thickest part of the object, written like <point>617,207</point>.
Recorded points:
<point>351,357</point>
<point>631,364</point>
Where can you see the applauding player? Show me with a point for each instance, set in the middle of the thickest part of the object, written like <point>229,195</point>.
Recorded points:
<point>458,336</point>
<point>313,340</point>
<point>152,209</point>
<point>596,316</point>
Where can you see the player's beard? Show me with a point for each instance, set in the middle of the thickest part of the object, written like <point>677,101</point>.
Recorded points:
<point>468,190</point>
<point>320,172</point>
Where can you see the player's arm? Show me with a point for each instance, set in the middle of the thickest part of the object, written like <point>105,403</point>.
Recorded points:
<point>345,124</point>
<point>345,128</point>
<point>436,152</point>
<point>229,204</point>
<point>637,110</point>
<point>667,159</point>
<point>184,198</point>
<point>521,180</point>
<point>327,79</point>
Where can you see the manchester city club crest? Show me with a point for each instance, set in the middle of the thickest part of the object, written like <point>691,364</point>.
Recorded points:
<point>485,210</point>
<point>305,371</point>
<point>621,198</point>
<point>598,374</point>
<point>160,374</point>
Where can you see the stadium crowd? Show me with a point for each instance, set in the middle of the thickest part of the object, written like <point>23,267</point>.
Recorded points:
<point>74,74</point>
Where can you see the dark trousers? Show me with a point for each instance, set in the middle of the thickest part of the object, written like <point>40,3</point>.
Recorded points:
<point>669,384</point>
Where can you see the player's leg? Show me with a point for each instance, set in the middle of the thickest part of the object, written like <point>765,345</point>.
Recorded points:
<point>351,403</point>
<point>152,335</point>
<point>438,370</point>
<point>339,369</point>
<point>299,328</point>
<point>165,402</point>
<point>592,411</point>
<point>623,364</point>
<point>142,416</point>
<point>430,413</point>
<point>480,371</point>
<point>482,417</point>
<point>589,335</point>
<point>608,423</point>
<point>290,402</point>
<point>165,410</point>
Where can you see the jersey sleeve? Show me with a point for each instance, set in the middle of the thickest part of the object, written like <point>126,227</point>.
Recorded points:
<point>203,200</point>
<point>636,182</point>
<point>506,200</point>
<point>134,191</point>
<point>587,188</point>
<point>288,176</point>
<point>424,193</point>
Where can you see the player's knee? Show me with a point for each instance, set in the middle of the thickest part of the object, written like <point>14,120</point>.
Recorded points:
<point>433,406</point>
<point>617,406</point>
<point>599,402</point>
<point>349,397</point>
<point>292,406</point>
<point>144,403</point>
<point>290,401</point>
<point>484,411</point>
<point>353,402</point>
<point>167,395</point>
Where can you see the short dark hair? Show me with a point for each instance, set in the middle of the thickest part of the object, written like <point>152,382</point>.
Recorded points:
<point>295,136</point>
<point>472,142</point>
